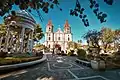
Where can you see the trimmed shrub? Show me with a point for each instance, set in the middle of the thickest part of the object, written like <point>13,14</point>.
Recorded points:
<point>104,56</point>
<point>71,53</point>
<point>81,53</point>
<point>7,61</point>
<point>19,55</point>
<point>39,53</point>
<point>89,57</point>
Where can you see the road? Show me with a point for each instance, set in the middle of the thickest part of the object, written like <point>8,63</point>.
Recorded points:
<point>60,68</point>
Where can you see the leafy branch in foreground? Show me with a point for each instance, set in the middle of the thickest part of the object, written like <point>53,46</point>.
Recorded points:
<point>45,5</point>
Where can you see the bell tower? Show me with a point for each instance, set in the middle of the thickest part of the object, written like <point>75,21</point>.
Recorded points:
<point>49,35</point>
<point>67,32</point>
<point>49,26</point>
<point>67,28</point>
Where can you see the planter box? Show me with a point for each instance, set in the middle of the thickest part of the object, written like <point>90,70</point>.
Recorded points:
<point>98,65</point>
<point>83,62</point>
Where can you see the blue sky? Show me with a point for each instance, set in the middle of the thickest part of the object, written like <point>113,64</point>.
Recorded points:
<point>78,29</point>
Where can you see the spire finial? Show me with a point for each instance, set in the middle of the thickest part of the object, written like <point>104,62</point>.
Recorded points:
<point>66,24</point>
<point>49,23</point>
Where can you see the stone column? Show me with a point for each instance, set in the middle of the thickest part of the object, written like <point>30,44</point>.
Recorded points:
<point>1,42</point>
<point>11,42</point>
<point>7,39</point>
<point>30,43</point>
<point>22,39</point>
<point>17,43</point>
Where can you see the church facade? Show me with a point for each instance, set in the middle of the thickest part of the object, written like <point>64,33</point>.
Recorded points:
<point>58,39</point>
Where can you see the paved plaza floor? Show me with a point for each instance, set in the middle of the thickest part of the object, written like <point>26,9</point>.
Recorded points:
<point>61,68</point>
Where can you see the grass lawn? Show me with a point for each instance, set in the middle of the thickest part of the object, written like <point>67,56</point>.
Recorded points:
<point>12,60</point>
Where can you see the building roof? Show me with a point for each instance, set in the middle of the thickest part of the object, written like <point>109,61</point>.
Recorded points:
<point>49,23</point>
<point>66,24</point>
<point>22,19</point>
<point>24,13</point>
<point>59,30</point>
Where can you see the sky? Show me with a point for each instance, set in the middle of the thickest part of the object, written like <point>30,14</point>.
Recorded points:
<point>78,29</point>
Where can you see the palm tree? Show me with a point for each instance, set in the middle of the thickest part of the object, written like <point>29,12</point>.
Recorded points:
<point>79,41</point>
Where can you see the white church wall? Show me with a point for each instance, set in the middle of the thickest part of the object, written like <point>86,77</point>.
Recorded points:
<point>45,36</point>
<point>58,37</point>
<point>68,36</point>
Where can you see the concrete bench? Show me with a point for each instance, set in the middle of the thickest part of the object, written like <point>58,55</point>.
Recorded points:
<point>85,63</point>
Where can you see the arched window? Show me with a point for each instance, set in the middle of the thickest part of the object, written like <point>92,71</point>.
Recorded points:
<point>49,45</point>
<point>58,38</point>
<point>49,35</point>
<point>49,29</point>
<point>49,38</point>
<point>68,38</point>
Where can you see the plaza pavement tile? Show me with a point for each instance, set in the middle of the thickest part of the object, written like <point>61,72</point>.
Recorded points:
<point>97,78</point>
<point>107,75</point>
<point>57,66</point>
<point>59,75</point>
<point>84,73</point>
<point>111,74</point>
<point>63,71</point>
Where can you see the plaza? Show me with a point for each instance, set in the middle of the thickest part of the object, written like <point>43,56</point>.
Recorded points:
<point>66,69</point>
<point>76,40</point>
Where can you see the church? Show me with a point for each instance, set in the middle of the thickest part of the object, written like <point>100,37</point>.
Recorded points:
<point>58,39</point>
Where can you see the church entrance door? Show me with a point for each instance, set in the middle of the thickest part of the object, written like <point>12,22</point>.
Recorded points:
<point>57,48</point>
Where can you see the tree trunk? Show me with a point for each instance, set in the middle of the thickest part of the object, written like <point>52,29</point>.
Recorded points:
<point>105,47</point>
<point>119,48</point>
